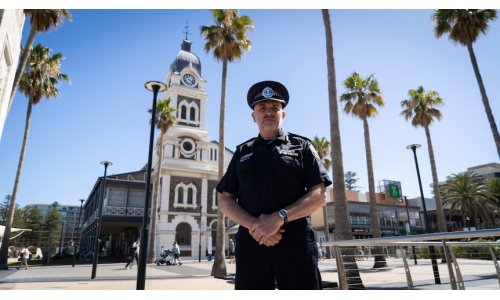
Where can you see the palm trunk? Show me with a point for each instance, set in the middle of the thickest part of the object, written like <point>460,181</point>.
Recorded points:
<point>439,205</point>
<point>342,225</point>
<point>22,65</point>
<point>8,226</point>
<point>154,211</point>
<point>484,97</point>
<point>219,266</point>
<point>379,261</point>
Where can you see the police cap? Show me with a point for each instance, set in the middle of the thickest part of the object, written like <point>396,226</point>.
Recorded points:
<point>267,90</point>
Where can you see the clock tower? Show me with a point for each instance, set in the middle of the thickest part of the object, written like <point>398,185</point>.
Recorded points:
<point>187,200</point>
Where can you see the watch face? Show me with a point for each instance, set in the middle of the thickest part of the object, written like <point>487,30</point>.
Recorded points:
<point>189,79</point>
<point>283,213</point>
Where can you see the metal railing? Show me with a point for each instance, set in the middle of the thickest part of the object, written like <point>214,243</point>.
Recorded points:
<point>349,253</point>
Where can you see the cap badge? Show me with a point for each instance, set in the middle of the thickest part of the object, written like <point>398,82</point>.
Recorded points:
<point>267,92</point>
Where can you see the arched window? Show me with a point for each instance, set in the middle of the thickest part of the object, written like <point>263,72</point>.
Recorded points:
<point>192,108</point>
<point>192,114</point>
<point>190,193</point>
<point>183,234</point>
<point>185,195</point>
<point>183,112</point>
<point>180,196</point>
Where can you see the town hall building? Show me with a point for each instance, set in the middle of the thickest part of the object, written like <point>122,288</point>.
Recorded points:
<point>186,198</point>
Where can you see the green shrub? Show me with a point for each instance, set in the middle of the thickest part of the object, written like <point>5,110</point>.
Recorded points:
<point>474,252</point>
<point>423,252</point>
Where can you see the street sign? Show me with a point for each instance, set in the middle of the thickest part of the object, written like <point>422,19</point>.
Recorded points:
<point>394,191</point>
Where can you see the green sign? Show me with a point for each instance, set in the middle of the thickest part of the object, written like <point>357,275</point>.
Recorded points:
<point>394,191</point>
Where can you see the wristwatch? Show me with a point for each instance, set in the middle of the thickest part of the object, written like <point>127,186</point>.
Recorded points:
<point>283,213</point>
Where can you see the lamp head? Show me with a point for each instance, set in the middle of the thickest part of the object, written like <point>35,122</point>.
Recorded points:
<point>106,163</point>
<point>155,85</point>
<point>413,146</point>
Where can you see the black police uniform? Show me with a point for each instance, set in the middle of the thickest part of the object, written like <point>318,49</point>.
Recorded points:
<point>266,176</point>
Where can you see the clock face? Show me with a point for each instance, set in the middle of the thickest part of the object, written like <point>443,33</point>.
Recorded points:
<point>189,79</point>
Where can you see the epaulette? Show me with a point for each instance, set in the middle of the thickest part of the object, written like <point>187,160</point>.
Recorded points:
<point>247,143</point>
<point>293,135</point>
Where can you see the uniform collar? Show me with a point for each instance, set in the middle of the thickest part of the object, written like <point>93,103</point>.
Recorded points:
<point>282,136</point>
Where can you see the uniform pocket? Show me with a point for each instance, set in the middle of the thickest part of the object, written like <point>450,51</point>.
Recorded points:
<point>246,174</point>
<point>288,171</point>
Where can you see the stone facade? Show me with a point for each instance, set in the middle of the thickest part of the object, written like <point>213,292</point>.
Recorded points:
<point>11,29</point>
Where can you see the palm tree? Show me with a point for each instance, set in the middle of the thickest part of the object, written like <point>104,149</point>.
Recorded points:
<point>322,146</point>
<point>164,120</point>
<point>361,100</point>
<point>342,225</point>
<point>421,109</point>
<point>464,27</point>
<point>40,79</point>
<point>41,20</point>
<point>493,186</point>
<point>494,189</point>
<point>467,195</point>
<point>228,40</point>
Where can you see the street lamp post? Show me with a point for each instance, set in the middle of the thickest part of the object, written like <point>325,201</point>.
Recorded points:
<point>99,221</point>
<point>432,251</point>
<point>77,244</point>
<point>393,227</point>
<point>155,87</point>
<point>199,244</point>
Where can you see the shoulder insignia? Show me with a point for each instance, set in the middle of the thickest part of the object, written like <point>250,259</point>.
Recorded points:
<point>247,143</point>
<point>293,135</point>
<point>314,152</point>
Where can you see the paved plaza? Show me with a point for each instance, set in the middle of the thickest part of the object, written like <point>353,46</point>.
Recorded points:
<point>194,275</point>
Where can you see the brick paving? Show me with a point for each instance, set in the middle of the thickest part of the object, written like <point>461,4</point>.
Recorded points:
<point>194,275</point>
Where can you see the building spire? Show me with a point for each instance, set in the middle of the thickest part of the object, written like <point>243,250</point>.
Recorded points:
<point>187,29</point>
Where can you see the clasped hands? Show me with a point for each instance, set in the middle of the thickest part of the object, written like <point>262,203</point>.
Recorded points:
<point>266,230</point>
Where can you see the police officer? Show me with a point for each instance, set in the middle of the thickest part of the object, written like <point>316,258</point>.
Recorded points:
<point>272,185</point>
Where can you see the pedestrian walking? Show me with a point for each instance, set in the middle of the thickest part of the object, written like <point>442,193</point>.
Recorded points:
<point>176,251</point>
<point>134,254</point>
<point>24,255</point>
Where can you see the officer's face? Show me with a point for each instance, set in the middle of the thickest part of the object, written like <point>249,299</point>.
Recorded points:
<point>268,115</point>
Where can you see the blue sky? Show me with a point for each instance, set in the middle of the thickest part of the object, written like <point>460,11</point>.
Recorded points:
<point>110,54</point>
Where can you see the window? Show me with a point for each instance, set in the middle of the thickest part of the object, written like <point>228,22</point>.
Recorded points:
<point>180,196</point>
<point>190,193</point>
<point>136,198</point>
<point>5,66</point>
<point>214,199</point>
<point>188,147</point>
<point>185,195</point>
<point>192,114</point>
<point>213,154</point>
<point>183,112</point>
<point>117,197</point>
<point>192,107</point>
